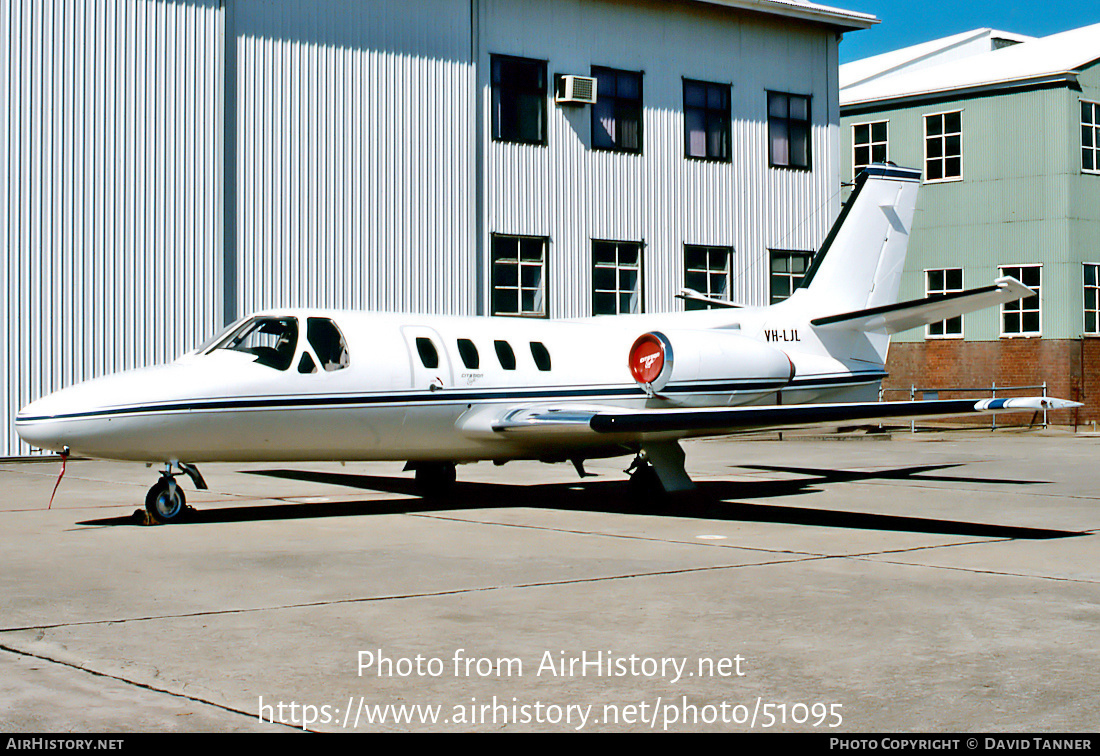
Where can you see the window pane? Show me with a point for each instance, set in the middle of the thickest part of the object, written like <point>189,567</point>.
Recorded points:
<point>800,109</point>
<point>933,125</point>
<point>694,95</point>
<point>777,105</point>
<point>860,133</point>
<point>952,122</point>
<point>878,131</point>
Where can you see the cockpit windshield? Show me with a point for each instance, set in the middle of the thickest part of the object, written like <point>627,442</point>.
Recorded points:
<point>272,340</point>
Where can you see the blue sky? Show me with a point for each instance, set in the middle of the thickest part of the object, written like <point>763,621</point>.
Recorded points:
<point>905,22</point>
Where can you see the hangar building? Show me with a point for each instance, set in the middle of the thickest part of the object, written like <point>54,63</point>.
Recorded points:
<point>172,165</point>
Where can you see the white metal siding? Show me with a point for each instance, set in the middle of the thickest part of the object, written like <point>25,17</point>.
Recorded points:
<point>574,194</point>
<point>355,155</point>
<point>108,216</point>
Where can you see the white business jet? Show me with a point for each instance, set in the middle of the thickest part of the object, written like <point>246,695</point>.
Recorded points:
<point>313,385</point>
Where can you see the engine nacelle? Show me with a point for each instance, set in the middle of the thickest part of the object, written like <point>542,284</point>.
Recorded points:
<point>708,362</point>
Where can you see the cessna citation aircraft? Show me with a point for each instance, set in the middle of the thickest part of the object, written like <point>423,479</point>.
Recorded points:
<point>313,385</point>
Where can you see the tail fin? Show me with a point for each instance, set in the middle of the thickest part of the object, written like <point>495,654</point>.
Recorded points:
<point>859,266</point>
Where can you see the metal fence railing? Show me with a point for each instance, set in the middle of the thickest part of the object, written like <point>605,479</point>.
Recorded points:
<point>934,393</point>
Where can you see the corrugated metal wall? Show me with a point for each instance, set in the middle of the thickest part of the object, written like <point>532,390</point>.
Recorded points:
<point>574,194</point>
<point>355,133</point>
<point>108,212</point>
<point>351,173</point>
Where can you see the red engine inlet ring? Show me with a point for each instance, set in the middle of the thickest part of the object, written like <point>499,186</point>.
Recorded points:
<point>647,358</point>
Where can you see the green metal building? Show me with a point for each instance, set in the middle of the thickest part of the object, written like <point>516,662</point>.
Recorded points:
<point>1006,130</point>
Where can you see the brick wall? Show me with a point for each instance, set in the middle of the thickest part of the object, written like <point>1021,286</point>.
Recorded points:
<point>1071,369</point>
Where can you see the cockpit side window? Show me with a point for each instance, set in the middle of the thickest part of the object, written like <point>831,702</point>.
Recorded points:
<point>272,340</point>
<point>328,343</point>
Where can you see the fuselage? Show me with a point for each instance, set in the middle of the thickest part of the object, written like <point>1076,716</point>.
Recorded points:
<point>345,385</point>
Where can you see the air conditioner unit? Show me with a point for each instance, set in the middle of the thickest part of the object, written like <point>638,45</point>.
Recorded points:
<point>577,90</point>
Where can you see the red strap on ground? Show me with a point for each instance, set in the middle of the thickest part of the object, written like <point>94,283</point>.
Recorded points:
<point>64,459</point>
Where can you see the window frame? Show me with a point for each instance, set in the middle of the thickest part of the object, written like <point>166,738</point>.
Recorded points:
<point>726,116</point>
<point>639,291</point>
<point>1005,334</point>
<point>943,157</point>
<point>497,90</point>
<point>620,106</point>
<point>945,289</point>
<point>1095,147</point>
<point>1095,286</point>
<point>519,288</point>
<point>788,120</point>
<point>870,145</point>
<point>788,274</point>
<point>707,249</point>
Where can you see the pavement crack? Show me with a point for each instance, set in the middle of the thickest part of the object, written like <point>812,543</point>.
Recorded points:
<point>134,683</point>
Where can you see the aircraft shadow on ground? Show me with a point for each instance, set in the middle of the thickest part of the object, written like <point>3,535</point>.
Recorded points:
<point>714,500</point>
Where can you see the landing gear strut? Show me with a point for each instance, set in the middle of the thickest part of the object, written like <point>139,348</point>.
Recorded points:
<point>165,501</point>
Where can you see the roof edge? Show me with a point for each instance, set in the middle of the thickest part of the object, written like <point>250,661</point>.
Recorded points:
<point>1063,78</point>
<point>838,18</point>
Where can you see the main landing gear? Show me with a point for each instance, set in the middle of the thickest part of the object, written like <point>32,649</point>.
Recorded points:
<point>165,501</point>
<point>659,466</point>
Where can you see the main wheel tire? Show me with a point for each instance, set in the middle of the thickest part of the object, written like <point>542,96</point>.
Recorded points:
<point>166,503</point>
<point>436,478</point>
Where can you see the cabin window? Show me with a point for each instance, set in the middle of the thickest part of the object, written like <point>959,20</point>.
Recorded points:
<point>616,277</point>
<point>541,355</point>
<point>943,147</point>
<point>1090,136</point>
<point>505,354</point>
<point>429,357</point>
<point>617,114</point>
<point>870,144</point>
<point>519,99</point>
<point>271,340</point>
<point>788,268</point>
<point>707,120</point>
<point>1024,317</point>
<point>306,364</point>
<point>707,271</point>
<point>468,352</point>
<point>328,343</point>
<point>788,130</point>
<point>946,281</point>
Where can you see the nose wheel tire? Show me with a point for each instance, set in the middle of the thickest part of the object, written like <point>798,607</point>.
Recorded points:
<point>165,502</point>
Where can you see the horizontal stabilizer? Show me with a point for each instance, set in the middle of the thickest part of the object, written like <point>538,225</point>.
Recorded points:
<point>537,423</point>
<point>691,295</point>
<point>919,312</point>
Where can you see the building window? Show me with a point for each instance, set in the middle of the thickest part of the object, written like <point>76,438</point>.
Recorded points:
<point>869,145</point>
<point>1090,137</point>
<point>788,130</point>
<point>519,100</point>
<point>519,275</point>
<point>788,270</point>
<point>1092,298</point>
<point>707,271</point>
<point>1024,316</point>
<point>946,281</point>
<point>617,114</point>
<point>707,120</point>
<point>616,277</point>
<point>943,146</point>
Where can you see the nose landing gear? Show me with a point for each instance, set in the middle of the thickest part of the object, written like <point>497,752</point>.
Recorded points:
<point>165,501</point>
